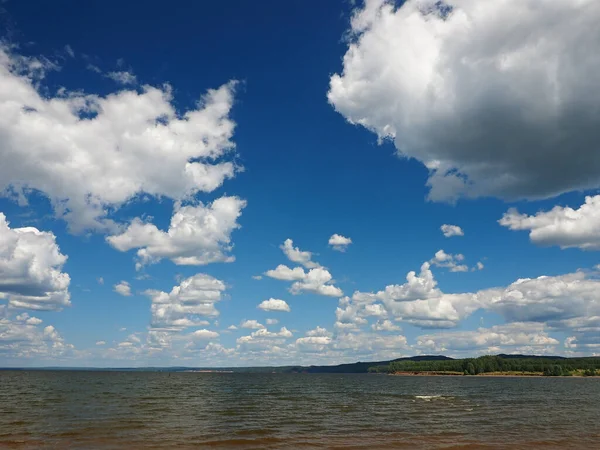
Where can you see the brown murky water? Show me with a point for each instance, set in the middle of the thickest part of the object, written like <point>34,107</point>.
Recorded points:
<point>130,410</point>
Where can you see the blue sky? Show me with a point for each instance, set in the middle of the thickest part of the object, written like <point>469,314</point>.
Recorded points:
<point>376,122</point>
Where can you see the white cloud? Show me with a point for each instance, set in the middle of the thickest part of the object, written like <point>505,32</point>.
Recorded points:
<point>197,235</point>
<point>562,226</point>
<point>339,242</point>
<point>193,298</point>
<point>252,324</point>
<point>123,288</point>
<point>21,339</point>
<point>101,343</point>
<point>480,265</point>
<point>313,343</point>
<point>274,304</point>
<point>109,149</point>
<point>494,97</point>
<point>232,327</point>
<point>24,317</point>
<point>257,277</point>
<point>272,321</point>
<point>317,281</point>
<point>262,338</point>
<point>122,77</point>
<point>318,332</point>
<point>205,334</point>
<point>443,259</point>
<point>488,339</point>
<point>100,280</point>
<point>385,325</point>
<point>351,313</point>
<point>370,343</point>
<point>298,256</point>
<point>30,269</point>
<point>546,298</point>
<point>569,303</point>
<point>283,272</point>
<point>451,230</point>
<point>418,301</point>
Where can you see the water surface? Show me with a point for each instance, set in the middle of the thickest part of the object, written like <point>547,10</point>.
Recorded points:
<point>119,410</point>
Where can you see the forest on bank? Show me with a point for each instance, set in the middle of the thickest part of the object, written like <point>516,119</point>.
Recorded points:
<point>512,364</point>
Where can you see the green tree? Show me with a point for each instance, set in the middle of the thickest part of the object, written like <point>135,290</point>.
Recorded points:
<point>471,369</point>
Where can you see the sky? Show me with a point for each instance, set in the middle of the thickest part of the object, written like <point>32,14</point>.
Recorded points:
<point>244,183</point>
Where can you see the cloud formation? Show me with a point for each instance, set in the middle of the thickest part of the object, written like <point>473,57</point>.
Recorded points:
<point>562,226</point>
<point>495,98</point>
<point>283,272</point>
<point>31,265</point>
<point>109,149</point>
<point>490,340</point>
<point>23,338</point>
<point>274,304</point>
<point>197,235</point>
<point>123,288</point>
<point>339,242</point>
<point>316,281</point>
<point>252,324</point>
<point>443,259</point>
<point>568,303</point>
<point>122,77</point>
<point>451,230</point>
<point>187,304</point>
<point>298,256</point>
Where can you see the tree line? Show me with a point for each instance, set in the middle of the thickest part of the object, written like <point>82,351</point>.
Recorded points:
<point>487,364</point>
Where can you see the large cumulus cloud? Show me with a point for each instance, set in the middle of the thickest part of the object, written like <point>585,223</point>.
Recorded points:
<point>495,98</point>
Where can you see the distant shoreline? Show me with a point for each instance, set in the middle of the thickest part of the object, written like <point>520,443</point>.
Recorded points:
<point>486,374</point>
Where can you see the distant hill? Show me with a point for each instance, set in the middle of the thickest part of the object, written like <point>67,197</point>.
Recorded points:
<point>363,367</point>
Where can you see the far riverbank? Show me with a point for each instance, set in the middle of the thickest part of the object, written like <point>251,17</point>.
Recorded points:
<point>486,374</point>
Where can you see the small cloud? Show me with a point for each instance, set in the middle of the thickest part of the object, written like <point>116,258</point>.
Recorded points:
<point>100,280</point>
<point>205,334</point>
<point>451,230</point>
<point>101,343</point>
<point>69,51</point>
<point>274,304</point>
<point>232,327</point>
<point>386,325</point>
<point>252,324</point>
<point>93,68</point>
<point>122,329</point>
<point>257,277</point>
<point>339,242</point>
<point>272,321</point>
<point>122,77</point>
<point>296,255</point>
<point>443,259</point>
<point>123,288</point>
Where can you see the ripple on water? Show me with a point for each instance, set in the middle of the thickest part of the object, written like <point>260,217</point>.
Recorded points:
<point>152,410</point>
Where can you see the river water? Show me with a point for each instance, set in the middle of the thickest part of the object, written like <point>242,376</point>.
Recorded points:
<point>131,410</point>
